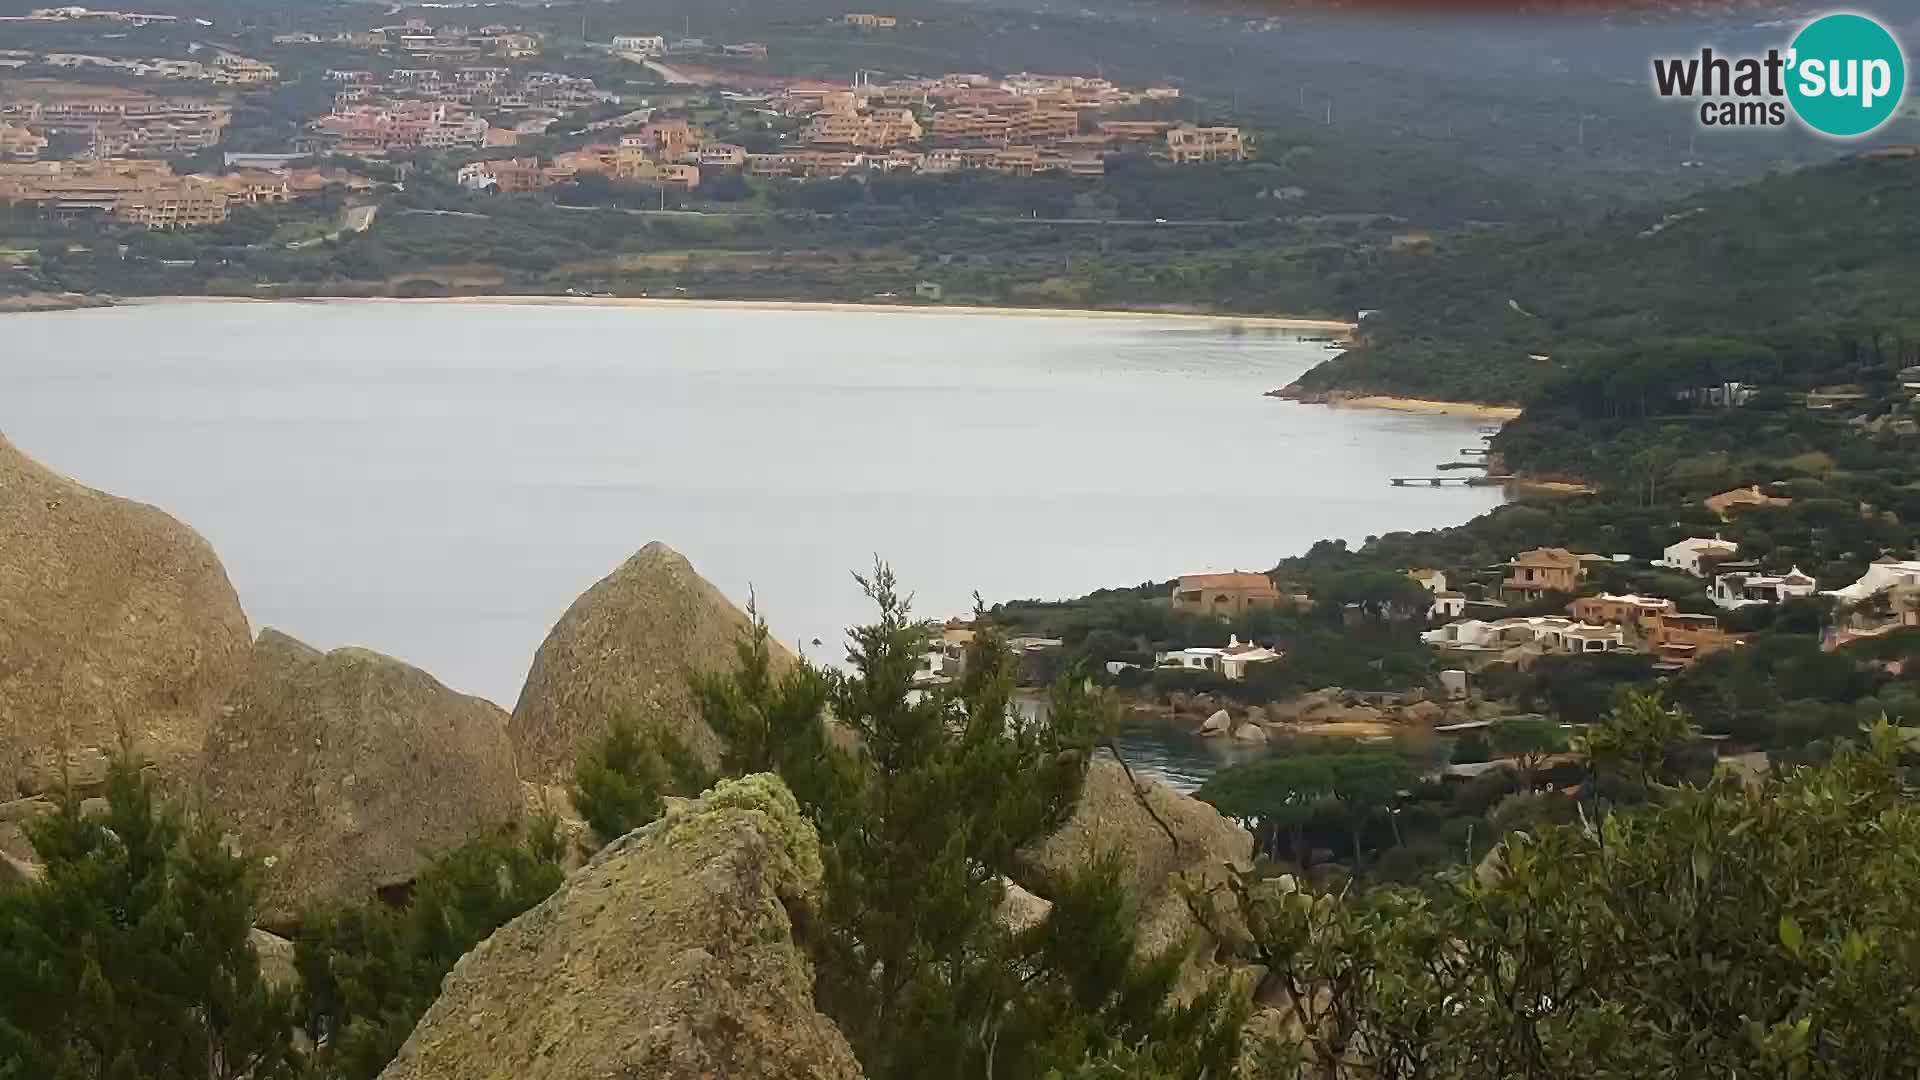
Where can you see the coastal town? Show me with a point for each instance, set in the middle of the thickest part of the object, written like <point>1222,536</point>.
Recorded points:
<point>161,141</point>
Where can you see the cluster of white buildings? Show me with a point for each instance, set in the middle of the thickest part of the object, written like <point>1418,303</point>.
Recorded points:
<point>1735,584</point>
<point>1545,633</point>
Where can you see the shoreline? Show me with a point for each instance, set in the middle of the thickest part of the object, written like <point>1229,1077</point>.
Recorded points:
<point>1426,406</point>
<point>1350,399</point>
<point>1278,322</point>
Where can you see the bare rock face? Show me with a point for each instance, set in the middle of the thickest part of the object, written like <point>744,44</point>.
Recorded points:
<point>114,618</point>
<point>341,769</point>
<point>276,955</point>
<point>625,648</point>
<point>669,956</point>
<point>1115,814</point>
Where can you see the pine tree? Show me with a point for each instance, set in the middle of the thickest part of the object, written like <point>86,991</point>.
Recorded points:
<point>619,781</point>
<point>131,959</point>
<point>919,822</point>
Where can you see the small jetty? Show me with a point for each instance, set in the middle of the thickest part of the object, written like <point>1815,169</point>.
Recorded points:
<point>1448,481</point>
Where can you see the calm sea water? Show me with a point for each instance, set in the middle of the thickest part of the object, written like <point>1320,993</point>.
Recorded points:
<point>438,481</point>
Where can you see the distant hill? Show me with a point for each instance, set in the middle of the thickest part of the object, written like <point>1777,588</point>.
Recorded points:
<point>1492,317</point>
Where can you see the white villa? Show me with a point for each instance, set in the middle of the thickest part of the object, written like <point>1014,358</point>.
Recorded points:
<point>1738,589</point>
<point>1230,661</point>
<point>1688,554</point>
<point>1551,632</point>
<point>1879,578</point>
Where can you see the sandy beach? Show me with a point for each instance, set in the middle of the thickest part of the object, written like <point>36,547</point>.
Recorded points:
<point>1425,407</point>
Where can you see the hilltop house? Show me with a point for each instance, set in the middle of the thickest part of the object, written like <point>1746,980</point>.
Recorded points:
<point>1696,554</point>
<point>1224,595</point>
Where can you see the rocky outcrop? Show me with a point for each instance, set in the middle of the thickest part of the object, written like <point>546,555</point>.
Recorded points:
<point>625,649</point>
<point>1116,815</point>
<point>17,871</point>
<point>341,769</point>
<point>669,956</point>
<point>277,967</point>
<point>14,817</point>
<point>116,623</point>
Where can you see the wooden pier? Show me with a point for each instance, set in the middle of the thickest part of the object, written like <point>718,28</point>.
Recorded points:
<point>1448,481</point>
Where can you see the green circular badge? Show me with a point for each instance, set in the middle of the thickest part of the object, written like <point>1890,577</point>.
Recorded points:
<point>1846,75</point>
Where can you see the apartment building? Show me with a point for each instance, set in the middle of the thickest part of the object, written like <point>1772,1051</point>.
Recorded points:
<point>119,122</point>
<point>722,156</point>
<point>511,44</point>
<point>376,129</point>
<point>665,140</point>
<point>137,192</point>
<point>510,176</point>
<point>1042,127</point>
<point>805,164</point>
<point>878,129</point>
<point>1135,131</point>
<point>664,173</point>
<point>235,70</point>
<point>970,125</point>
<point>168,207</point>
<point>1190,145</point>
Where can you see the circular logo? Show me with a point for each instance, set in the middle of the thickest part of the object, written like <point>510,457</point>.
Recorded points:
<point>1847,75</point>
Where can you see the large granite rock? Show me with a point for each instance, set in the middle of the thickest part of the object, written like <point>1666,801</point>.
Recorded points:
<point>116,622</point>
<point>1116,815</point>
<point>670,956</point>
<point>626,648</point>
<point>343,769</point>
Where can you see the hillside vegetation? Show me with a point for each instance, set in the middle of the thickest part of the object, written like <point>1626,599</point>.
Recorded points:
<point>1497,317</point>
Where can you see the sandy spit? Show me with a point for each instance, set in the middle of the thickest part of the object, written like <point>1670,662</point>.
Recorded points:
<point>1425,406</point>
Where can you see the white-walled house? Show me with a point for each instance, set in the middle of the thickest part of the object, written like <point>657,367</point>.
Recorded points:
<point>1230,661</point>
<point>1879,577</point>
<point>1738,589</point>
<point>1694,553</point>
<point>1549,631</point>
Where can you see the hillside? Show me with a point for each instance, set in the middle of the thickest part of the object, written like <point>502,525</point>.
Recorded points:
<point>1493,317</point>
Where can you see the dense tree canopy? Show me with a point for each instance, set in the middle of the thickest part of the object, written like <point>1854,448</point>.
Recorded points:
<point>1717,931</point>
